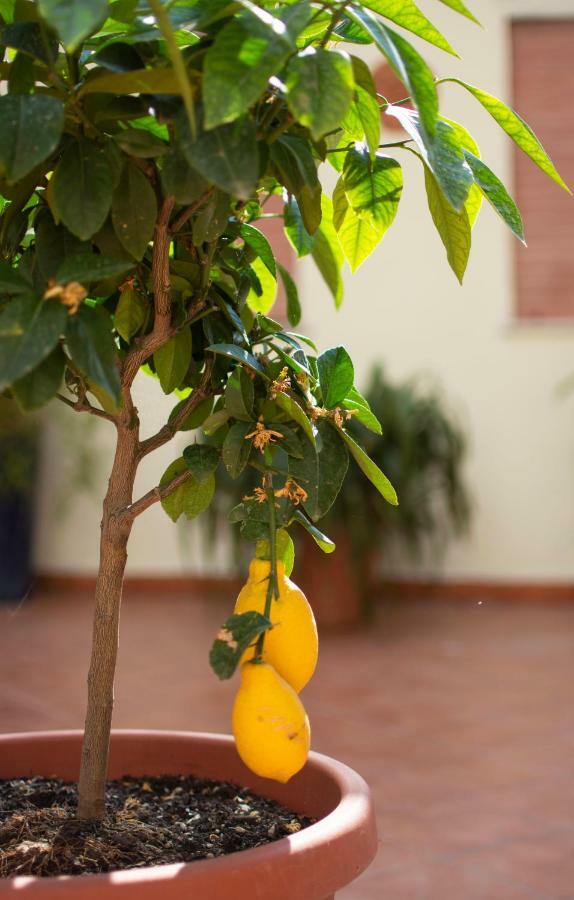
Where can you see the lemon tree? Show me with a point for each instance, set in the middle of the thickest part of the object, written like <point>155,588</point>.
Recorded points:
<point>142,141</point>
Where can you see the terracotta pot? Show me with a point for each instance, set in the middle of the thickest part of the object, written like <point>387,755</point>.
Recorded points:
<point>329,581</point>
<point>309,865</point>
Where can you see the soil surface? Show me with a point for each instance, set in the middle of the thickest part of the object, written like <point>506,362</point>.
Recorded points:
<point>150,821</point>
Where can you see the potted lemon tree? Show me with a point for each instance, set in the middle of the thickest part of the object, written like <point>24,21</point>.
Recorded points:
<point>140,144</point>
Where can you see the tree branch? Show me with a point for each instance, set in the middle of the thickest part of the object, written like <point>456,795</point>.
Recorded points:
<point>154,496</point>
<point>165,434</point>
<point>84,406</point>
<point>186,214</point>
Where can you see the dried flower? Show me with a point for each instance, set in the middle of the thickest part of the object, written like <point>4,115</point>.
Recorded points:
<point>281,384</point>
<point>259,495</point>
<point>262,436</point>
<point>71,294</point>
<point>227,637</point>
<point>293,491</point>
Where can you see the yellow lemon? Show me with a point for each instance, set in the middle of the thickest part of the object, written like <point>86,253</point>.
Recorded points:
<point>270,725</point>
<point>291,646</point>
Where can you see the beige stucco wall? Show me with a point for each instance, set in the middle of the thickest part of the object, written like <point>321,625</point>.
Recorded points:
<point>502,378</point>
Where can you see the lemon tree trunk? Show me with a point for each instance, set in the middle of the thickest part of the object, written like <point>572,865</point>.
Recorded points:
<point>115,532</point>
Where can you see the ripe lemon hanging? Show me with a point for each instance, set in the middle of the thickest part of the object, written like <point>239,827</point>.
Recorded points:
<point>291,646</point>
<point>270,725</point>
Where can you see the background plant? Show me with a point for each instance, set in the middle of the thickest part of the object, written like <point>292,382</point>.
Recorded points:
<point>141,142</point>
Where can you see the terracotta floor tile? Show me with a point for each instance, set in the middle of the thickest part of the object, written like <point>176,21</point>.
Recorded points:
<point>460,716</point>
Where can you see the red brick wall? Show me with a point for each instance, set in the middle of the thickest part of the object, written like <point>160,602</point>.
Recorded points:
<point>543,75</point>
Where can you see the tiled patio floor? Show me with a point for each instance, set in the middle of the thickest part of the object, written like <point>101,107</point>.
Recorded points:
<point>460,715</point>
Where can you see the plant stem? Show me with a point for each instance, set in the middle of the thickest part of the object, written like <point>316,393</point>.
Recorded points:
<point>272,589</point>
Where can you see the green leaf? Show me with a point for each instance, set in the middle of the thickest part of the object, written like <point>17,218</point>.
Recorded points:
<point>189,499</point>
<point>284,549</point>
<point>321,473</point>
<point>407,64</point>
<point>82,186</point>
<point>324,542</point>
<point>496,194</point>
<point>31,125</point>
<point>259,243</point>
<point>363,118</point>
<point>356,403</point>
<point>473,202</point>
<point>295,167</point>
<point>407,14</point>
<point>41,384</point>
<point>516,128</point>
<point>87,267</point>
<point>226,156</point>
<point>240,395</point>
<point>134,211</point>
<point>452,226</point>
<point>139,81</point>
<point>336,375</point>
<point>443,155</point>
<point>201,460</point>
<point>297,235</point>
<point>195,418</point>
<point>327,252</point>
<point>215,421</point>
<point>72,20</point>
<point>370,469</point>
<point>245,54</point>
<point>211,221</point>
<point>262,302</point>
<point>236,634</point>
<point>131,313</point>
<point>29,330</point>
<point>296,412</point>
<point>140,143</point>
<point>236,448</point>
<point>320,88</point>
<point>180,179</point>
<point>93,349</point>
<point>172,360</point>
<point>460,7</point>
<point>373,187</point>
<point>11,281</point>
<point>292,295</point>
<point>238,354</point>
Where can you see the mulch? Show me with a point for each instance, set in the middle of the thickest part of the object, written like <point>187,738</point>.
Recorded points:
<point>150,821</point>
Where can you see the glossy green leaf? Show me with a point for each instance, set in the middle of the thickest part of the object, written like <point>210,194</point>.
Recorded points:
<point>373,187</point>
<point>443,155</point>
<point>73,21</point>
<point>88,267</point>
<point>361,410</point>
<point>196,418</point>
<point>516,128</point>
<point>321,473</point>
<point>496,194</point>
<point>93,349</point>
<point>29,330</point>
<point>327,252</point>
<point>201,460</point>
<point>134,210</point>
<point>31,126</point>
<point>172,360</point>
<point>180,179</point>
<point>336,375</point>
<point>452,226</point>
<point>296,168</point>
<point>292,296</point>
<point>211,221</point>
<point>284,550</point>
<point>262,302</point>
<point>320,87</point>
<point>141,144</point>
<point>407,64</point>
<point>191,498</point>
<point>11,281</point>
<point>237,448</point>
<point>297,234</point>
<point>407,14</point>
<point>370,469</point>
<point>259,243</point>
<point>473,202</point>
<point>459,7</point>
<point>236,634</point>
<point>82,186</point>
<point>245,54</point>
<point>322,541</point>
<point>41,384</point>
<point>363,118</point>
<point>240,395</point>
<point>239,355</point>
<point>142,81</point>
<point>296,412</point>
<point>131,313</point>
<point>226,156</point>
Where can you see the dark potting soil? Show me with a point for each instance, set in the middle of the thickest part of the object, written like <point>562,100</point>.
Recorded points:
<point>149,821</point>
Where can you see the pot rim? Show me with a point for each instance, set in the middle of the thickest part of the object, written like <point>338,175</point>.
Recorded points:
<point>351,818</point>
